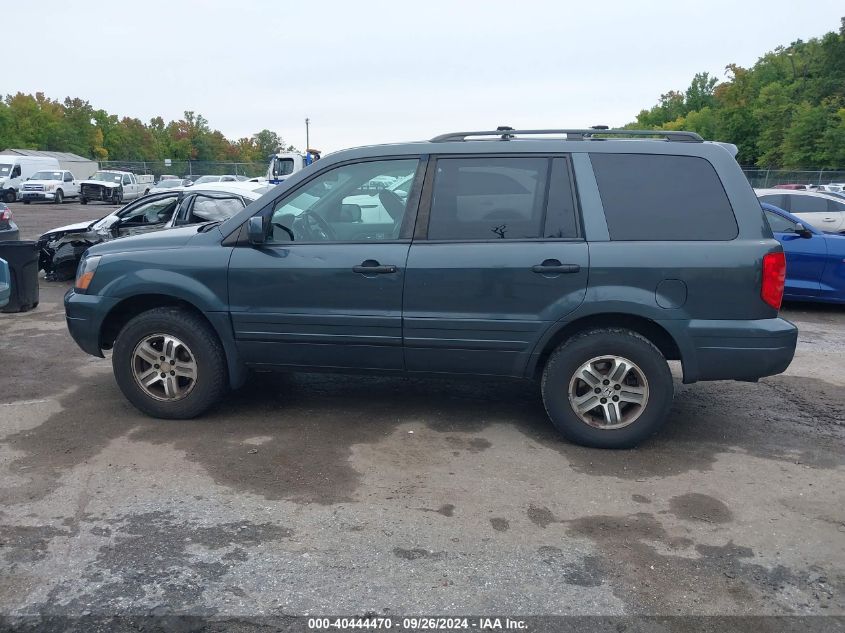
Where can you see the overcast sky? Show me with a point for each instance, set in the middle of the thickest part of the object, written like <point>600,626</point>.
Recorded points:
<point>369,71</point>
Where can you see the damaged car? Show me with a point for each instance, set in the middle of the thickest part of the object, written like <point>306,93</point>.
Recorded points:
<point>61,248</point>
<point>115,187</point>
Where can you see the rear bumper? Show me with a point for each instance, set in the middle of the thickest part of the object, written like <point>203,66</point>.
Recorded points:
<point>84,315</point>
<point>734,350</point>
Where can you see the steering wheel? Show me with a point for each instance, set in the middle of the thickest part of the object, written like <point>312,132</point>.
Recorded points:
<point>315,228</point>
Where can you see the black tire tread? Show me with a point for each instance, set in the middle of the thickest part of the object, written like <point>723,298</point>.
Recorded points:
<point>213,373</point>
<point>627,437</point>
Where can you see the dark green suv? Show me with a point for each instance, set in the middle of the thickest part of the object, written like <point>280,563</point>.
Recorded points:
<point>583,259</point>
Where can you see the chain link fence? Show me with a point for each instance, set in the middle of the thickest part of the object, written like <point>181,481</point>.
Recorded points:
<point>763,178</point>
<point>183,168</point>
<point>759,178</point>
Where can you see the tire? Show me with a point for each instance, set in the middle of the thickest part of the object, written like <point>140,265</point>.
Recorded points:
<point>9,196</point>
<point>648,374</point>
<point>26,201</point>
<point>83,200</point>
<point>196,336</point>
<point>60,197</point>
<point>118,197</point>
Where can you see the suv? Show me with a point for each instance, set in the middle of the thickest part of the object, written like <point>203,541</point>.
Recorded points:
<point>585,263</point>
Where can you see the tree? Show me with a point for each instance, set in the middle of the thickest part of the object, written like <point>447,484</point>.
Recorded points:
<point>267,143</point>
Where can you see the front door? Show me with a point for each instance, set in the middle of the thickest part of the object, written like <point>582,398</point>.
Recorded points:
<point>805,257</point>
<point>500,259</point>
<point>325,290</point>
<point>146,215</point>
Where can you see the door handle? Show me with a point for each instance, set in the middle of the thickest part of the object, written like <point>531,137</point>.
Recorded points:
<point>554,267</point>
<point>372,267</point>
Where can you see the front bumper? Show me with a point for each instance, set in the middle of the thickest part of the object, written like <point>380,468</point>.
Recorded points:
<point>37,195</point>
<point>84,315</point>
<point>734,350</point>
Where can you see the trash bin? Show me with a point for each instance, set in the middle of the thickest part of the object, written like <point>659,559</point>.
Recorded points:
<point>22,257</point>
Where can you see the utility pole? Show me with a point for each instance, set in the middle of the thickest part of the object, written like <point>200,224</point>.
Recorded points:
<point>307,139</point>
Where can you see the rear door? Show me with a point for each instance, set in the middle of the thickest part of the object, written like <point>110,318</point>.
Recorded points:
<point>823,213</point>
<point>497,257</point>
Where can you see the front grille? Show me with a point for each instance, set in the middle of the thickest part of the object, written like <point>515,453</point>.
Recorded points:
<point>33,187</point>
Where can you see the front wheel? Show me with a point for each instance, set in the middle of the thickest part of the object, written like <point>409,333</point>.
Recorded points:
<point>9,196</point>
<point>83,200</point>
<point>607,388</point>
<point>59,198</point>
<point>169,363</point>
<point>25,201</point>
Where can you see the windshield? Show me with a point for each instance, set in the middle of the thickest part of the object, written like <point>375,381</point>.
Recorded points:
<point>107,176</point>
<point>283,166</point>
<point>5,169</point>
<point>47,175</point>
<point>203,179</point>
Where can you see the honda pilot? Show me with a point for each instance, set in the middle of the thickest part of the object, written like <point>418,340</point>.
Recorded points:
<point>581,259</point>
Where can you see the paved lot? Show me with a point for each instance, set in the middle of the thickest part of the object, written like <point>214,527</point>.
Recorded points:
<point>350,494</point>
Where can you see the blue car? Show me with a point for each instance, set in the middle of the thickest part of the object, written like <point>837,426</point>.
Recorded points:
<point>815,261</point>
<point>5,283</point>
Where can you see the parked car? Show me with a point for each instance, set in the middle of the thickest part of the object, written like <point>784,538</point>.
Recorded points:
<point>14,170</point>
<point>584,264</point>
<point>203,180</point>
<point>815,261</point>
<point>50,184</point>
<point>832,187</point>
<point>170,183</point>
<point>8,228</point>
<point>825,211</point>
<point>61,248</point>
<point>168,177</point>
<point>114,186</point>
<point>795,187</point>
<point>5,283</point>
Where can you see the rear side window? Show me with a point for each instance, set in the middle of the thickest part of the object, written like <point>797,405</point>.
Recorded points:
<point>486,198</point>
<point>658,197</point>
<point>808,204</point>
<point>206,209</point>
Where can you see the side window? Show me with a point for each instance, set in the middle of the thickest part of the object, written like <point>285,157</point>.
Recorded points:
<point>780,224</point>
<point>126,179</point>
<point>560,210</point>
<point>778,200</point>
<point>16,171</point>
<point>206,209</point>
<point>659,197</point>
<point>357,202</point>
<point>155,212</point>
<point>488,198</point>
<point>68,176</point>
<point>808,204</point>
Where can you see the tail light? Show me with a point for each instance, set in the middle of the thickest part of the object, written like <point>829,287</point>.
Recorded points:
<point>774,278</point>
<point>5,215</point>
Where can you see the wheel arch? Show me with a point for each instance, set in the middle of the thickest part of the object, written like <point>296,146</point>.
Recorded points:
<point>130,307</point>
<point>644,326</point>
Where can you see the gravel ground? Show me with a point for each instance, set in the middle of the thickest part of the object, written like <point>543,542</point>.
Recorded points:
<point>344,494</point>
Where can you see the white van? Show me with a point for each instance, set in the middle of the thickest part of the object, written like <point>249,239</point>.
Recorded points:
<point>15,169</point>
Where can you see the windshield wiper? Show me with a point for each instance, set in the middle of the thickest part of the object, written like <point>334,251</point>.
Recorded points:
<point>209,225</point>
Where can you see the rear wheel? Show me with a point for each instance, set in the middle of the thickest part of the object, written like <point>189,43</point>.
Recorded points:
<point>83,200</point>
<point>169,363</point>
<point>608,388</point>
<point>60,197</point>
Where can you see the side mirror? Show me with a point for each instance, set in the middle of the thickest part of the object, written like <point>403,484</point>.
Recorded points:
<point>803,231</point>
<point>350,213</point>
<point>255,230</point>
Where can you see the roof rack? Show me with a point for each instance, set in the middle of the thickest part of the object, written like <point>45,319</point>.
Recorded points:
<point>505,133</point>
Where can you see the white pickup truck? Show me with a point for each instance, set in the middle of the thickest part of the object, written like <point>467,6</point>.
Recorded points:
<point>54,185</point>
<point>114,186</point>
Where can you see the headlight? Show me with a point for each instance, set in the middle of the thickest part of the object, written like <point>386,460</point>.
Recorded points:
<point>85,273</point>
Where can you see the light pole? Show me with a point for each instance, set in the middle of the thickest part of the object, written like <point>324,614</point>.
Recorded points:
<point>307,140</point>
